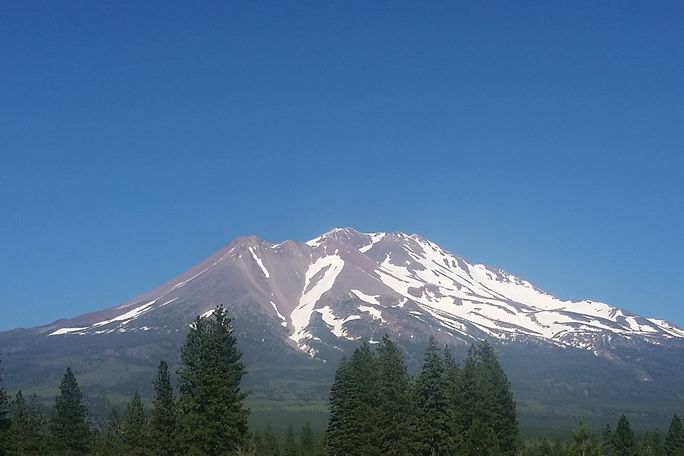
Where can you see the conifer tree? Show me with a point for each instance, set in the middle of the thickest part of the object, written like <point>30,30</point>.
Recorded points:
<point>4,418</point>
<point>212,419</point>
<point>674,441</point>
<point>479,440</point>
<point>69,430</point>
<point>162,422</point>
<point>307,441</point>
<point>27,431</point>
<point>268,445</point>
<point>652,445</point>
<point>434,435</point>
<point>581,440</point>
<point>493,397</point>
<point>453,378</point>
<point>624,442</point>
<point>111,443</point>
<point>338,434</point>
<point>364,376</point>
<point>394,402</point>
<point>133,427</point>
<point>290,447</point>
<point>607,444</point>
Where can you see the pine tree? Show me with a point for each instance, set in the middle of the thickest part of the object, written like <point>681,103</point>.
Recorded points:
<point>494,399</point>
<point>162,421</point>
<point>27,431</point>
<point>453,377</point>
<point>111,443</point>
<point>212,419</point>
<point>4,418</point>
<point>339,441</point>
<point>290,447</point>
<point>69,430</point>
<point>364,376</point>
<point>433,407</point>
<point>624,441</point>
<point>607,442</point>
<point>307,441</point>
<point>652,445</point>
<point>268,445</point>
<point>133,427</point>
<point>479,440</point>
<point>581,440</point>
<point>394,402</point>
<point>674,442</point>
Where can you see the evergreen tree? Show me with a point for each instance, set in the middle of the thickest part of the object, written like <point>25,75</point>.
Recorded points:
<point>607,442</point>
<point>652,445</point>
<point>581,441</point>
<point>268,445</point>
<point>111,443</point>
<point>162,421</point>
<point>624,442</point>
<point>495,404</point>
<point>479,440</point>
<point>433,407</point>
<point>339,441</point>
<point>4,418</point>
<point>307,441</point>
<point>364,375</point>
<point>674,442</point>
<point>212,419</point>
<point>290,447</point>
<point>353,407</point>
<point>454,379</point>
<point>69,430</point>
<point>394,402</point>
<point>27,431</point>
<point>133,427</point>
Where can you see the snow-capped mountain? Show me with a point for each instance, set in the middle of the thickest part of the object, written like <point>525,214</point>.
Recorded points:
<point>347,285</point>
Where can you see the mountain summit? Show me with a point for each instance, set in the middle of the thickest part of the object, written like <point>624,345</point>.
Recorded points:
<point>348,285</point>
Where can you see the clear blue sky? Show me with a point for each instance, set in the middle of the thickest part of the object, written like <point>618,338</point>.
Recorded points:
<point>543,137</point>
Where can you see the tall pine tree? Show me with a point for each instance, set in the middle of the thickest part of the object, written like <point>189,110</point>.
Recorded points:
<point>27,432</point>
<point>290,447</point>
<point>212,419</point>
<point>674,441</point>
<point>133,427</point>
<point>434,425</point>
<point>339,441</point>
<point>307,441</point>
<point>493,397</point>
<point>162,421</point>
<point>111,443</point>
<point>624,442</point>
<point>479,440</point>
<point>394,402</point>
<point>69,430</point>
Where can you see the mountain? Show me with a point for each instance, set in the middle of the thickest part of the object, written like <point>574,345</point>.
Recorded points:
<point>350,285</point>
<point>299,305</point>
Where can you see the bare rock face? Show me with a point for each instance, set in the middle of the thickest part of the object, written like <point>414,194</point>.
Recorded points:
<point>345,285</point>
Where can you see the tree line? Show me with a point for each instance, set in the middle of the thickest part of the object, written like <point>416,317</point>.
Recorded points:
<point>376,409</point>
<point>621,441</point>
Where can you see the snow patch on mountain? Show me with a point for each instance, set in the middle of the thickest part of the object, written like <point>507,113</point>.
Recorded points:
<point>259,262</point>
<point>320,277</point>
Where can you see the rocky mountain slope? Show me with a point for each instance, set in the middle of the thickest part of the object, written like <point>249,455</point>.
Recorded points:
<point>346,285</point>
<point>299,306</point>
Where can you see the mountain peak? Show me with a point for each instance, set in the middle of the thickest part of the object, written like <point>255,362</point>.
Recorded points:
<point>348,285</point>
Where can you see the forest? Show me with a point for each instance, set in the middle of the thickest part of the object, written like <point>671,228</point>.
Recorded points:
<point>376,409</point>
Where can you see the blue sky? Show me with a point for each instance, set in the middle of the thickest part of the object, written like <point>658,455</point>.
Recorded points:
<point>136,138</point>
